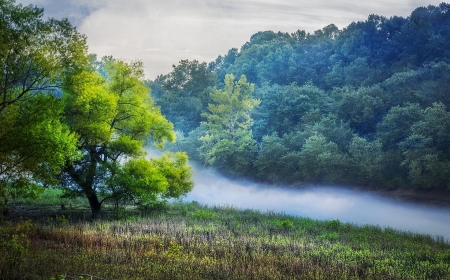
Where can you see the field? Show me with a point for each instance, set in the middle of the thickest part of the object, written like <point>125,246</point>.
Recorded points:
<point>191,241</point>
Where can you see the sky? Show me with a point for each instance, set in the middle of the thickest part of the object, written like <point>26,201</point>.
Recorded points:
<point>162,32</point>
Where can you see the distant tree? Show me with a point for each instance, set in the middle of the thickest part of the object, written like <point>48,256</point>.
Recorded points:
<point>221,64</point>
<point>228,142</point>
<point>396,125</point>
<point>427,150</point>
<point>321,160</point>
<point>362,108</point>
<point>282,107</point>
<point>328,125</point>
<point>269,164</point>
<point>184,93</point>
<point>188,143</point>
<point>367,162</point>
<point>36,58</point>
<point>114,118</point>
<point>361,92</point>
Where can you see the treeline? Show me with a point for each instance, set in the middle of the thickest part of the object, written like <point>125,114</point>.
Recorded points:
<point>366,105</point>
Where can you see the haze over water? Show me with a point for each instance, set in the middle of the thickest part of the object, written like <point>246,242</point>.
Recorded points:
<point>322,203</point>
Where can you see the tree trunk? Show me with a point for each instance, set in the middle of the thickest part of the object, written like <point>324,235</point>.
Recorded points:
<point>95,204</point>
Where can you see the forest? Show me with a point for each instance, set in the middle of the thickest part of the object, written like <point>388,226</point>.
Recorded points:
<point>366,106</point>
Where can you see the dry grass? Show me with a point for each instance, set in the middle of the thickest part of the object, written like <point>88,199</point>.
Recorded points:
<point>187,241</point>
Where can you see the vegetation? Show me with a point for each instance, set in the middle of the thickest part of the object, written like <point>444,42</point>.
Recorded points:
<point>367,105</point>
<point>115,117</point>
<point>228,142</point>
<point>36,57</point>
<point>190,241</point>
<point>69,120</point>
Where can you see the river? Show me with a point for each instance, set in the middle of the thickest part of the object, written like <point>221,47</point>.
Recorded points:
<point>322,203</point>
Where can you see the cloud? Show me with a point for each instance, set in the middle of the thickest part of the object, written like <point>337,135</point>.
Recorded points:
<point>75,10</point>
<point>163,32</point>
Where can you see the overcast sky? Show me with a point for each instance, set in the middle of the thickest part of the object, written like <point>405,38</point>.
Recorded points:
<point>163,32</point>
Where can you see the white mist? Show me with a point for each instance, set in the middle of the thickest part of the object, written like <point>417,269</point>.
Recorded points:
<point>323,203</point>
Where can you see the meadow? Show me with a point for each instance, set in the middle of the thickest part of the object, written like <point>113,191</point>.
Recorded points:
<point>193,241</point>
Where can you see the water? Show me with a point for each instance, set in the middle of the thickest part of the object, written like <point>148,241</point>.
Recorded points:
<point>322,203</point>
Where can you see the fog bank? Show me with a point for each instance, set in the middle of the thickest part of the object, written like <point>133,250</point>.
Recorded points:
<point>320,202</point>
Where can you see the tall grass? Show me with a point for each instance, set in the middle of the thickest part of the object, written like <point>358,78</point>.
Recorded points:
<point>189,241</point>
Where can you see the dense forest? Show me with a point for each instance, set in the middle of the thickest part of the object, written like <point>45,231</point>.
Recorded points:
<point>367,105</point>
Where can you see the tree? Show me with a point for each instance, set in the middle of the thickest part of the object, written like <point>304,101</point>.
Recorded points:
<point>185,93</point>
<point>362,108</point>
<point>114,117</point>
<point>36,57</point>
<point>34,145</point>
<point>321,160</point>
<point>268,164</point>
<point>426,150</point>
<point>145,181</point>
<point>396,124</point>
<point>282,107</point>
<point>367,161</point>
<point>228,142</point>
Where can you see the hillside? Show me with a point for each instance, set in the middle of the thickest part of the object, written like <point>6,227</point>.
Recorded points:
<point>367,105</point>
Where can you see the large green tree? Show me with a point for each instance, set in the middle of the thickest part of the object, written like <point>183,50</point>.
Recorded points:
<point>228,142</point>
<point>114,117</point>
<point>36,57</point>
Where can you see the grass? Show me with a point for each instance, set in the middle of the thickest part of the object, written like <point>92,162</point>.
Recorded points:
<point>191,241</point>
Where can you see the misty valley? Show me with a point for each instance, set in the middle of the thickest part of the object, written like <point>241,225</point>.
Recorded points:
<point>291,157</point>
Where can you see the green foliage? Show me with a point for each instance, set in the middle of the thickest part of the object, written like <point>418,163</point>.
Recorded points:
<point>396,124</point>
<point>427,149</point>
<point>321,161</point>
<point>269,164</point>
<point>15,244</point>
<point>282,107</point>
<point>36,54</point>
<point>183,94</point>
<point>115,118</point>
<point>52,142</point>
<point>204,214</point>
<point>285,224</point>
<point>144,181</point>
<point>366,105</point>
<point>367,159</point>
<point>228,141</point>
<point>36,58</point>
<point>330,236</point>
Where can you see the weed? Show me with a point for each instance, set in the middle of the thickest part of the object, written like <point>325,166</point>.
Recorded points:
<point>190,241</point>
<point>204,214</point>
<point>285,224</point>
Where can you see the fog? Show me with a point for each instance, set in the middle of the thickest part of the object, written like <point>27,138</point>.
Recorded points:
<point>320,202</point>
